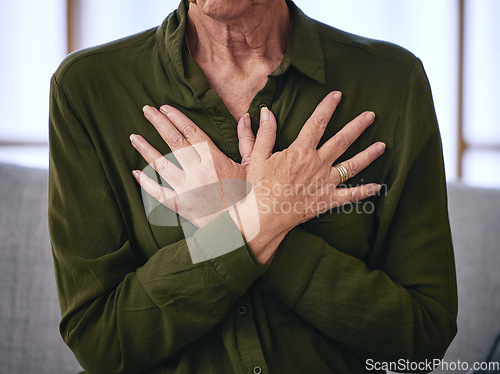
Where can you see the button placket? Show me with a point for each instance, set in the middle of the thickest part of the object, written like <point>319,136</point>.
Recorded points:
<point>264,98</point>
<point>247,337</point>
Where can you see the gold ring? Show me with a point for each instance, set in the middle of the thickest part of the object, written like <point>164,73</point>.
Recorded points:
<point>342,171</point>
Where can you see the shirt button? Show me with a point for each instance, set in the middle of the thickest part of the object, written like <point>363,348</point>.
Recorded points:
<point>257,370</point>
<point>262,106</point>
<point>242,310</point>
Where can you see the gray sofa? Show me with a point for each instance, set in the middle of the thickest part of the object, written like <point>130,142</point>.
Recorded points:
<point>29,311</point>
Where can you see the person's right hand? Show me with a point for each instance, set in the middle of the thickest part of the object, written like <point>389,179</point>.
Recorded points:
<point>208,181</point>
<point>299,183</point>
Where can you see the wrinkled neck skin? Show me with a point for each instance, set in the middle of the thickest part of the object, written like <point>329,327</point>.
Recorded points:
<point>240,32</point>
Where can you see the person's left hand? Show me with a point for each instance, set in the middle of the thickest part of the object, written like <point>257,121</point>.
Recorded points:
<point>209,182</point>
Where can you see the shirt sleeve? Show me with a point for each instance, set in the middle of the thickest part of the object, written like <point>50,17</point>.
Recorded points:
<point>401,303</point>
<point>120,312</point>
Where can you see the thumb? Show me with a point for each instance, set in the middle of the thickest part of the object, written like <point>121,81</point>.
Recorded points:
<point>266,136</point>
<point>246,139</point>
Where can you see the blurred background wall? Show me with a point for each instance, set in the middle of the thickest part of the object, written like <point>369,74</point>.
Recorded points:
<point>457,40</point>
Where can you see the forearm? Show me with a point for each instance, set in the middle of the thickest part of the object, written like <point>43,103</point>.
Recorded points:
<point>164,304</point>
<point>360,308</point>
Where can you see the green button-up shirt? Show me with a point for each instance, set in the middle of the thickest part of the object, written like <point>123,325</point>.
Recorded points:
<point>371,281</point>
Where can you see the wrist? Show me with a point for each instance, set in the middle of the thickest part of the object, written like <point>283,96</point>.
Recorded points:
<point>262,239</point>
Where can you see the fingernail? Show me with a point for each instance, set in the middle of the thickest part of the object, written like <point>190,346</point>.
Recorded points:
<point>264,114</point>
<point>135,173</point>
<point>381,147</point>
<point>132,138</point>
<point>337,94</point>
<point>146,108</point>
<point>370,115</point>
<point>164,109</point>
<point>374,191</point>
<point>248,121</point>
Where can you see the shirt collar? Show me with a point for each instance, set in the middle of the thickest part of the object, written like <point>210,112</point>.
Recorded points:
<point>304,51</point>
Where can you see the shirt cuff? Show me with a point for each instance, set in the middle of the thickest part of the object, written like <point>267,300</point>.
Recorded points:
<point>291,269</point>
<point>222,243</point>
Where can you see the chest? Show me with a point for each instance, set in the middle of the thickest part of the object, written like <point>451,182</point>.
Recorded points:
<point>237,87</point>
<point>291,97</point>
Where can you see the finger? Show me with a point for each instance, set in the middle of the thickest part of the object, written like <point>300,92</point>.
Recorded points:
<point>246,139</point>
<point>191,132</point>
<point>180,146</point>
<point>168,170</point>
<point>266,136</point>
<point>315,126</point>
<point>345,196</point>
<point>164,195</point>
<point>338,144</point>
<point>359,162</point>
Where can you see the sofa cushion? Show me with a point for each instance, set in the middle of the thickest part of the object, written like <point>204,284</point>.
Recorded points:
<point>475,224</point>
<point>29,309</point>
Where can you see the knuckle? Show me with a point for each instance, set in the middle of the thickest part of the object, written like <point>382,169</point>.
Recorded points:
<point>266,129</point>
<point>320,121</point>
<point>352,167</point>
<point>342,141</point>
<point>157,194</point>
<point>246,137</point>
<point>246,160</point>
<point>161,165</point>
<point>360,126</point>
<point>353,195</point>
<point>176,140</point>
<point>301,151</point>
<point>189,130</point>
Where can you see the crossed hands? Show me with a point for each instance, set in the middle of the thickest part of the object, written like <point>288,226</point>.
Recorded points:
<point>254,190</point>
